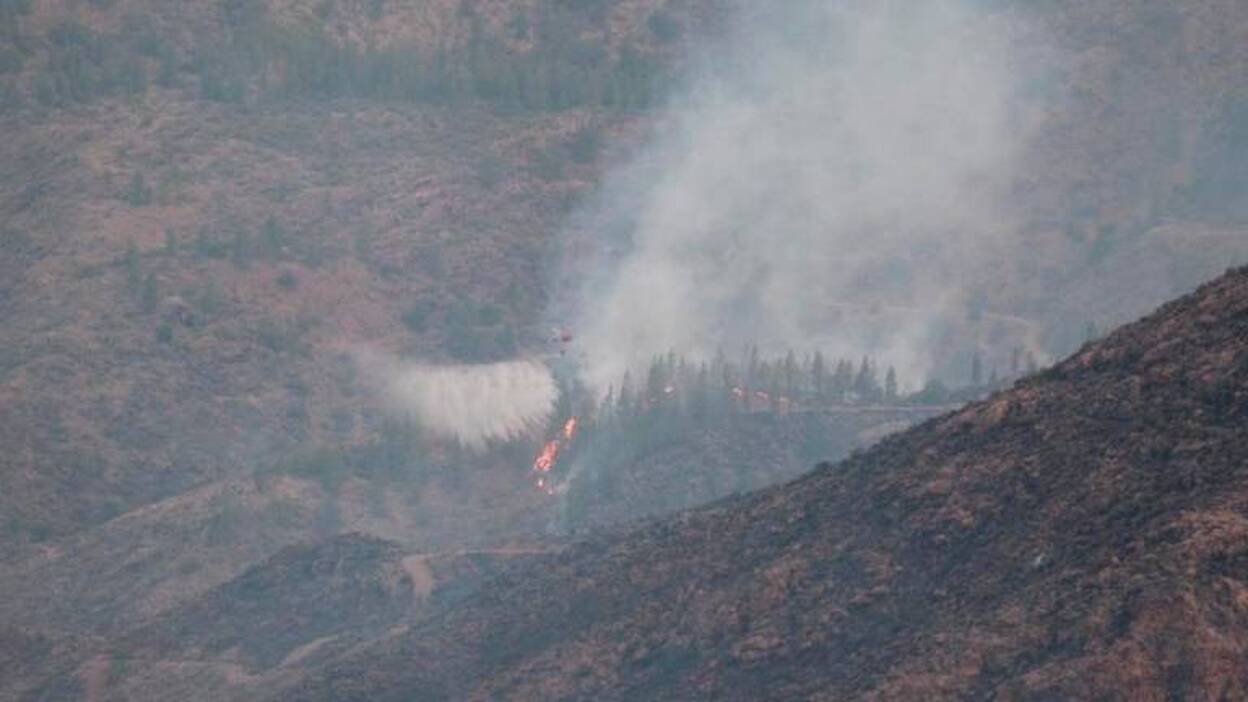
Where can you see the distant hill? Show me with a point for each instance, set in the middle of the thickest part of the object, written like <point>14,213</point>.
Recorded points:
<point>1080,536</point>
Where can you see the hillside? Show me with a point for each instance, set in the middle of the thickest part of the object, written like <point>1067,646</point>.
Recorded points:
<point>296,609</point>
<point>184,263</point>
<point>206,205</point>
<point>736,455</point>
<point>1078,536</point>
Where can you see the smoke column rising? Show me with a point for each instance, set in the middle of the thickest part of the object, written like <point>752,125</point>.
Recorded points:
<point>829,184</point>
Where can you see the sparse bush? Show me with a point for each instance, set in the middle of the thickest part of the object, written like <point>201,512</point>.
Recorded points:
<point>272,239</point>
<point>207,299</point>
<point>664,27</point>
<point>133,275</point>
<point>240,249</point>
<point>585,142</point>
<point>10,61</point>
<point>505,341</point>
<point>206,247</point>
<point>10,98</point>
<point>279,337</point>
<point>416,316</point>
<point>328,519</point>
<point>342,422</point>
<point>934,393</point>
<point>167,71</point>
<point>224,525</point>
<point>432,259</point>
<point>287,280</point>
<point>489,315</point>
<point>490,172</point>
<point>548,163</point>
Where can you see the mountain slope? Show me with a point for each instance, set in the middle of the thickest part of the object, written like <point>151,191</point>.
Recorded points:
<point>1082,535</point>
<point>298,608</point>
<point>187,242</point>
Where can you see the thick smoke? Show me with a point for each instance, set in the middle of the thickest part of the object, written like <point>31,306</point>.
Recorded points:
<point>471,404</point>
<point>828,183</point>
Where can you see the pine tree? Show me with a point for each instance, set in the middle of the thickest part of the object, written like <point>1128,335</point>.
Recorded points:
<point>133,276</point>
<point>977,370</point>
<point>700,395</point>
<point>138,195</point>
<point>890,385</point>
<point>655,381</point>
<point>625,402</point>
<point>730,390</point>
<point>752,370</point>
<point>819,379</point>
<point>842,379</point>
<point>606,410</point>
<point>789,374</point>
<point>775,392</point>
<point>149,298</point>
<point>240,249</point>
<point>865,383</point>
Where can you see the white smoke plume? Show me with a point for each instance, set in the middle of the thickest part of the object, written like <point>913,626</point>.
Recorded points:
<point>471,404</point>
<point>830,183</point>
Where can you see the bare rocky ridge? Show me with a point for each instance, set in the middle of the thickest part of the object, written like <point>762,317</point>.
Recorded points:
<point>1081,535</point>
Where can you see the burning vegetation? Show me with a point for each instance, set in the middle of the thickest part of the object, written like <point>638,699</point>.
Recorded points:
<point>679,395</point>
<point>548,456</point>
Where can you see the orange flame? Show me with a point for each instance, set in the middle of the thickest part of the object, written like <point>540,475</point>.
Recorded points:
<point>753,398</point>
<point>549,455</point>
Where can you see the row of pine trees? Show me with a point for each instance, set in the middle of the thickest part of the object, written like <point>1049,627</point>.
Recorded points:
<point>721,386</point>
<point>257,58</point>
